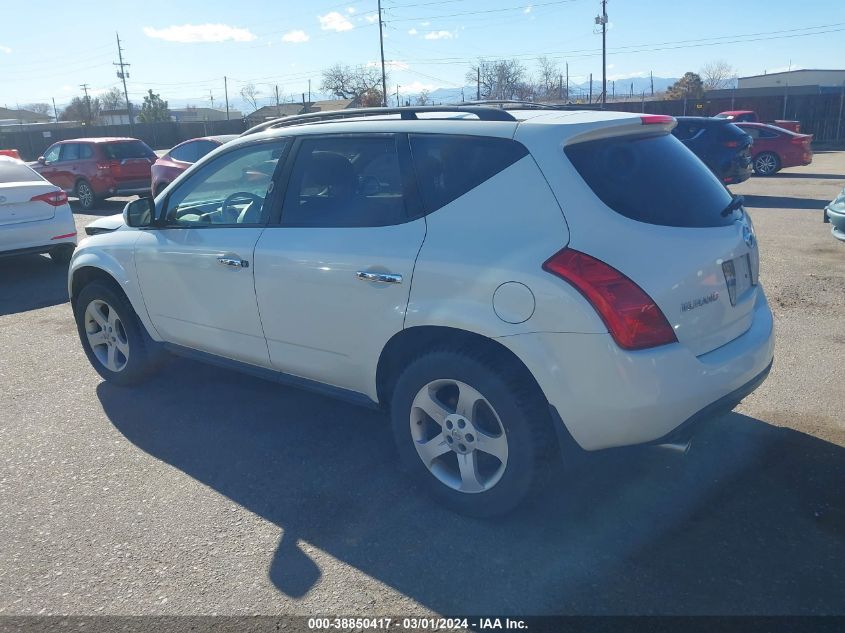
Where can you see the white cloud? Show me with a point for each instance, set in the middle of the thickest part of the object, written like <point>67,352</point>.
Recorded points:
<point>350,10</point>
<point>439,35</point>
<point>5,49</point>
<point>412,32</point>
<point>634,75</point>
<point>528,9</point>
<point>200,33</point>
<point>417,86</point>
<point>425,23</point>
<point>334,21</point>
<point>372,17</point>
<point>295,37</point>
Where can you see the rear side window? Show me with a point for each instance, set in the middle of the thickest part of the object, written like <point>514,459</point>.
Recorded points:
<point>205,147</point>
<point>449,166</point>
<point>86,151</point>
<point>70,151</point>
<point>652,179</point>
<point>15,171</point>
<point>128,149</point>
<point>186,153</point>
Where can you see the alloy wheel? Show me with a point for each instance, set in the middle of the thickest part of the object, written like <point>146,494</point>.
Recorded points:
<point>459,436</point>
<point>765,164</point>
<point>85,195</point>
<point>106,335</point>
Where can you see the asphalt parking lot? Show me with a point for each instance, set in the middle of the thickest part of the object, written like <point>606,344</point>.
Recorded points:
<point>205,491</point>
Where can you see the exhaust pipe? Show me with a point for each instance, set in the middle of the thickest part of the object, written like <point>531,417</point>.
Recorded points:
<point>679,448</point>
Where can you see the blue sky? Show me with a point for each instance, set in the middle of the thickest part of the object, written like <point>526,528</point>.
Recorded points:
<point>183,49</point>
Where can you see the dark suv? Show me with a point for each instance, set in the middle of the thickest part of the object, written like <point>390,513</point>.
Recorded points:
<point>723,146</point>
<point>98,168</point>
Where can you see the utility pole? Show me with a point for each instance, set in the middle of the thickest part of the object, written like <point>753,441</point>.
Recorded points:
<point>602,20</point>
<point>122,74</point>
<point>567,81</point>
<point>478,82</point>
<point>651,75</point>
<point>397,95</point>
<point>591,88</point>
<point>56,112</point>
<point>88,101</point>
<point>786,90</point>
<point>381,45</point>
<point>278,108</point>
<point>211,97</point>
<point>309,91</point>
<point>560,87</point>
<point>226,92</point>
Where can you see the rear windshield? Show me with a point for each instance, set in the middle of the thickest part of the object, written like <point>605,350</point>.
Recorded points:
<point>652,179</point>
<point>128,149</point>
<point>14,171</point>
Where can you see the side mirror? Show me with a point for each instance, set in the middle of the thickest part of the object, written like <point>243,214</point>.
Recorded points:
<point>41,160</point>
<point>139,213</point>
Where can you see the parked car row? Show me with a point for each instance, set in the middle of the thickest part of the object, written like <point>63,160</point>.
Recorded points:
<point>93,169</point>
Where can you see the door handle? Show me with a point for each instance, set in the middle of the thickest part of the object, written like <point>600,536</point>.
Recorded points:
<point>233,261</point>
<point>384,278</point>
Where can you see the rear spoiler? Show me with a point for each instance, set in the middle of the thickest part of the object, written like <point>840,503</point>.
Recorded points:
<point>634,126</point>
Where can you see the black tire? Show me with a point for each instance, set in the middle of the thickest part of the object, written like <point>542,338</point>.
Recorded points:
<point>144,356</point>
<point>61,254</point>
<point>516,401</point>
<point>85,194</point>
<point>766,164</point>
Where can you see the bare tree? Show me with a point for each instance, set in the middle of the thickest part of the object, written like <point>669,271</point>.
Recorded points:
<point>360,83</point>
<point>39,108</point>
<point>498,79</point>
<point>113,99</point>
<point>250,94</point>
<point>548,81</point>
<point>423,98</point>
<point>717,75</point>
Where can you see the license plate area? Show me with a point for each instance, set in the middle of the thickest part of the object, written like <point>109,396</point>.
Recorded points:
<point>737,273</point>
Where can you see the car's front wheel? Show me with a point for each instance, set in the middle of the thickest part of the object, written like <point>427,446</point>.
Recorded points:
<point>766,164</point>
<point>470,429</point>
<point>112,336</point>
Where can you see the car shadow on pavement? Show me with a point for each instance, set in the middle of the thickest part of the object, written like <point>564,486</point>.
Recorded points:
<point>29,282</point>
<point>801,174</point>
<point>104,207</point>
<point>784,202</point>
<point>750,522</point>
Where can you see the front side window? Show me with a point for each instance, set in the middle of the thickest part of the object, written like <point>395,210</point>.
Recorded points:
<point>449,166</point>
<point>186,153</point>
<point>52,154</point>
<point>345,181</point>
<point>233,189</point>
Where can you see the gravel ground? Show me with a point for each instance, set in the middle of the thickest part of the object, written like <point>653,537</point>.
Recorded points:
<point>206,491</point>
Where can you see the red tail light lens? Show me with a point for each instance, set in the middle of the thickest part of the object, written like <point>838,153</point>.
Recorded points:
<point>731,143</point>
<point>53,198</point>
<point>656,119</point>
<point>632,318</point>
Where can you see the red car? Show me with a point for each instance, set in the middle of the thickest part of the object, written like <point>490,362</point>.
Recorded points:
<point>178,159</point>
<point>749,116</point>
<point>97,168</point>
<point>775,148</point>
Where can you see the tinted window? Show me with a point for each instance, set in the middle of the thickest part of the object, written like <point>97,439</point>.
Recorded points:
<point>205,147</point>
<point>449,166</point>
<point>186,153</point>
<point>70,151</point>
<point>128,149</point>
<point>15,171</point>
<point>86,151</point>
<point>653,179</point>
<point>232,189</point>
<point>345,181</point>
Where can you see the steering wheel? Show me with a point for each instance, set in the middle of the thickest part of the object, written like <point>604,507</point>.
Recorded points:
<point>228,211</point>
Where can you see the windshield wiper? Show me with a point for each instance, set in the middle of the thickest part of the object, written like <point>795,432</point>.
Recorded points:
<point>735,203</point>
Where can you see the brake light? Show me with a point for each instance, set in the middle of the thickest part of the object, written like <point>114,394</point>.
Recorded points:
<point>656,119</point>
<point>113,167</point>
<point>53,198</point>
<point>802,140</point>
<point>731,143</point>
<point>631,316</point>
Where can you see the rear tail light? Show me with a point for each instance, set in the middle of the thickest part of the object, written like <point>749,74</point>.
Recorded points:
<point>731,143</point>
<point>631,316</point>
<point>53,198</point>
<point>112,166</point>
<point>656,119</point>
<point>802,140</point>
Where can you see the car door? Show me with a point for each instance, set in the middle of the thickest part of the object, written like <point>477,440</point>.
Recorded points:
<point>195,266</point>
<point>333,276</point>
<point>67,166</point>
<point>48,168</point>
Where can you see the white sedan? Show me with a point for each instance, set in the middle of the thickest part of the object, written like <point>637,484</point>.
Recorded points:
<point>35,216</point>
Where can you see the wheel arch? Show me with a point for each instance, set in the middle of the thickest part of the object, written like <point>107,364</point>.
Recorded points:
<point>409,343</point>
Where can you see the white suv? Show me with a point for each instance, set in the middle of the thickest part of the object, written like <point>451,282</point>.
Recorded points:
<point>502,282</point>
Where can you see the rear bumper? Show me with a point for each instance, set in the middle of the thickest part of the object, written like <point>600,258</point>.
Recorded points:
<point>37,237</point>
<point>608,397</point>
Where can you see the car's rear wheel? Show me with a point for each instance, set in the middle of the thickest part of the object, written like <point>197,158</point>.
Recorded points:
<point>470,430</point>
<point>766,164</point>
<point>112,336</point>
<point>85,194</point>
<point>61,254</point>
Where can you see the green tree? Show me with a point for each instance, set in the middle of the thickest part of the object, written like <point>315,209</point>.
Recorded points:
<point>153,109</point>
<point>82,109</point>
<point>689,86</point>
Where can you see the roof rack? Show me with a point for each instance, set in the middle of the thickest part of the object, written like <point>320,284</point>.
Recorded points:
<point>407,113</point>
<point>503,102</point>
